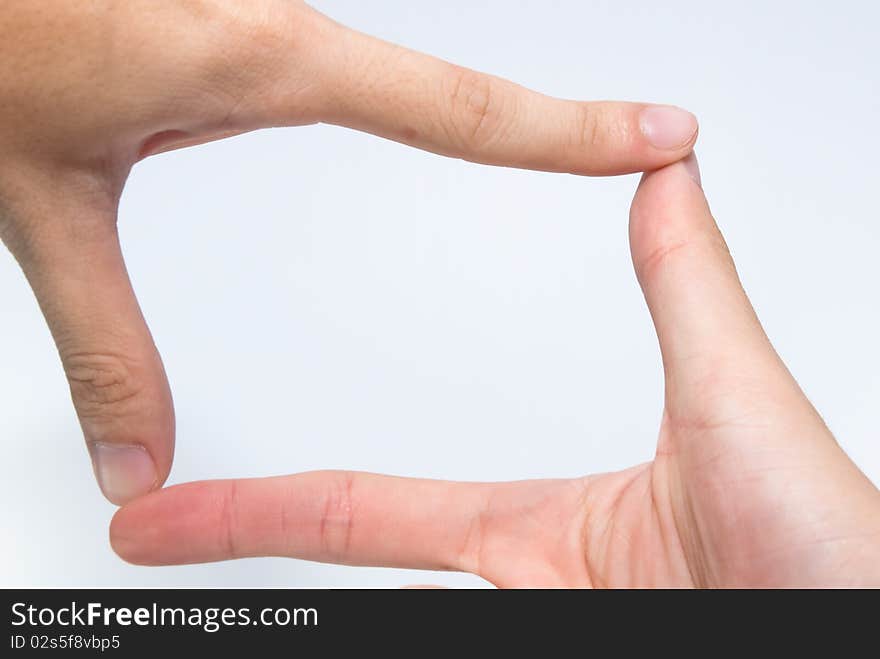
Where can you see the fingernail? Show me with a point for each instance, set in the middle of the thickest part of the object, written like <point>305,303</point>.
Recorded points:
<point>667,127</point>
<point>123,471</point>
<point>693,168</point>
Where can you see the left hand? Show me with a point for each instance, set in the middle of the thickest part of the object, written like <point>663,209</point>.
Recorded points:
<point>87,89</point>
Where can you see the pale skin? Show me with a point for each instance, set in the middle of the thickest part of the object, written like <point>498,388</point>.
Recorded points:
<point>747,487</point>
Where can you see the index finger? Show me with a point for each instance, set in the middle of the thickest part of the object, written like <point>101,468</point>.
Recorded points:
<point>330,516</point>
<point>332,74</point>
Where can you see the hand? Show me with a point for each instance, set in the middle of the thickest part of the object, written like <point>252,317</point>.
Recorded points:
<point>747,487</point>
<point>88,89</point>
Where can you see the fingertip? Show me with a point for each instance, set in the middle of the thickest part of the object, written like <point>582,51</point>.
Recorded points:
<point>668,127</point>
<point>138,533</point>
<point>167,525</point>
<point>127,417</point>
<point>667,194</point>
<point>692,167</point>
<point>618,137</point>
<point>624,138</point>
<point>122,539</point>
<point>124,472</point>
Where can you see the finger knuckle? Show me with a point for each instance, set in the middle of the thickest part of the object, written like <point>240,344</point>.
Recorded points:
<point>588,133</point>
<point>228,524</point>
<point>660,257</point>
<point>337,516</point>
<point>101,384</point>
<point>672,245</point>
<point>476,109</point>
<point>469,557</point>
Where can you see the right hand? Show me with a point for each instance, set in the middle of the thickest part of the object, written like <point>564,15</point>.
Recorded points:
<point>747,487</point>
<point>88,89</point>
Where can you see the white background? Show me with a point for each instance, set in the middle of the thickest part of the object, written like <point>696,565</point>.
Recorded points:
<point>326,299</point>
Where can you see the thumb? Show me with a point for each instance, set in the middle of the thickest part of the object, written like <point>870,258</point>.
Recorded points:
<point>714,348</point>
<point>70,254</point>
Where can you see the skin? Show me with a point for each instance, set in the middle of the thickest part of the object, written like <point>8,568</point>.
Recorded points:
<point>748,487</point>
<point>87,89</point>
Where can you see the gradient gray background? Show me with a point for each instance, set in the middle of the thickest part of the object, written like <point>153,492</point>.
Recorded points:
<point>327,299</point>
